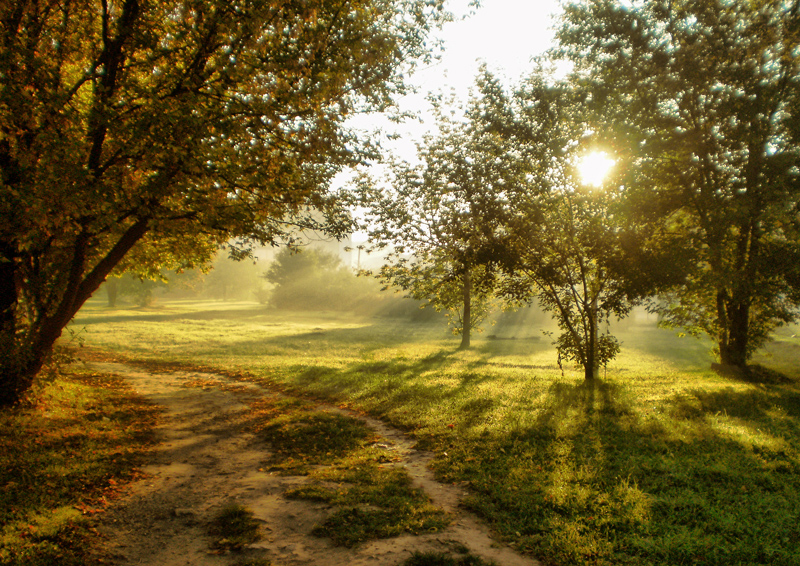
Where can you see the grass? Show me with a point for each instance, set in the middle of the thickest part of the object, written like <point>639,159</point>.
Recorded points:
<point>369,499</point>
<point>64,454</point>
<point>661,462</point>
<point>443,559</point>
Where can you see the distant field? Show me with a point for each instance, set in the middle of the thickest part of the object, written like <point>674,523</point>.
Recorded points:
<point>662,462</point>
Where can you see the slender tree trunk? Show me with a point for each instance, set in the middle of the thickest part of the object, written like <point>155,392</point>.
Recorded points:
<point>112,290</point>
<point>466,327</point>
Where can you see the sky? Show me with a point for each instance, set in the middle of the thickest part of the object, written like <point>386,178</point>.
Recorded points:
<point>503,34</point>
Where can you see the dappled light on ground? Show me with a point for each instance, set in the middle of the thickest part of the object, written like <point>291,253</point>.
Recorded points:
<point>660,461</point>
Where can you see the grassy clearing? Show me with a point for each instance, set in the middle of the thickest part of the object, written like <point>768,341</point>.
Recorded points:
<point>662,462</point>
<point>64,455</point>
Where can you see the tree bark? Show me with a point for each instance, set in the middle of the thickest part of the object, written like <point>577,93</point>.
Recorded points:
<point>466,319</point>
<point>21,361</point>
<point>8,286</point>
<point>734,351</point>
<point>590,367</point>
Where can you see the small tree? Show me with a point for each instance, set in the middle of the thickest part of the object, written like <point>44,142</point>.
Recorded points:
<point>439,222</point>
<point>567,240</point>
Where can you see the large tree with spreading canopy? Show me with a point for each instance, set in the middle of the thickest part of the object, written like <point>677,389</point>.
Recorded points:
<point>703,101</point>
<point>143,131</point>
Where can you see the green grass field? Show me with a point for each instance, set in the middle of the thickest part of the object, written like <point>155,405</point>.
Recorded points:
<point>661,462</point>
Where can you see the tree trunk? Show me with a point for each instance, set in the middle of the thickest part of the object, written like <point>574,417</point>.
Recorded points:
<point>112,290</point>
<point>466,319</point>
<point>21,360</point>
<point>590,367</point>
<point>734,351</point>
<point>8,286</point>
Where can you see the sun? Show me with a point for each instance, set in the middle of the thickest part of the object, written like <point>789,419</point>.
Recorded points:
<point>594,167</point>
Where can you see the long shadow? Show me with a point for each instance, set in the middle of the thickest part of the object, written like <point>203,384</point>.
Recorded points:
<point>602,472</point>
<point>220,314</point>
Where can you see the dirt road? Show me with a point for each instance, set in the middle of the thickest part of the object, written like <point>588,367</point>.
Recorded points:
<point>206,457</point>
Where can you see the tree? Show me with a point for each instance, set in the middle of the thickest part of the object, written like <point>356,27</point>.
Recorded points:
<point>439,221</point>
<point>130,123</point>
<point>704,97</point>
<point>309,279</point>
<point>570,243</point>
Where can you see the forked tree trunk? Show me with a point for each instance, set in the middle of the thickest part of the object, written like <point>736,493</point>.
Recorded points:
<point>22,357</point>
<point>466,319</point>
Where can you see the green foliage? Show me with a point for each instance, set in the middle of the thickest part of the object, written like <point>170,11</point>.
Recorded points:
<point>141,135</point>
<point>567,240</point>
<point>315,280</point>
<point>439,223</point>
<point>700,102</point>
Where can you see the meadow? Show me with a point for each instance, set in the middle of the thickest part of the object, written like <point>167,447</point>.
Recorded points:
<point>662,461</point>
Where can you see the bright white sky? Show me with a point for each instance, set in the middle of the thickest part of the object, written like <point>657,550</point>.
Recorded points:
<point>504,34</point>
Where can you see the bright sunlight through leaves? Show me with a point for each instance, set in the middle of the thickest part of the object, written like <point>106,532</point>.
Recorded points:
<point>594,168</point>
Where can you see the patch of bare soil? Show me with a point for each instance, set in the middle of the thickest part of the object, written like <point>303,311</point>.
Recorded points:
<point>206,458</point>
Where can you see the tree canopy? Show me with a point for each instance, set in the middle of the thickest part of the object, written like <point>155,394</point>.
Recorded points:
<point>702,100</point>
<point>136,125</point>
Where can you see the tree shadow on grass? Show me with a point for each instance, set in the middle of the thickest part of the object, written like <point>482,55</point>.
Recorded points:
<point>598,477</point>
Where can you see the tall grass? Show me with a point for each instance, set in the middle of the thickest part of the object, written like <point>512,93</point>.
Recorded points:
<point>661,462</point>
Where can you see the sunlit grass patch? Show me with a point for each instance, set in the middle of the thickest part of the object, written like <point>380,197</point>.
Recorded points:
<point>372,501</point>
<point>64,455</point>
<point>662,462</point>
<point>369,500</point>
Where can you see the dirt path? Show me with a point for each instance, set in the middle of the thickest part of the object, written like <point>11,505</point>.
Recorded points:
<point>206,457</point>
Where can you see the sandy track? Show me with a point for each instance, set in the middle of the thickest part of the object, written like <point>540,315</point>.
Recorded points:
<point>206,457</point>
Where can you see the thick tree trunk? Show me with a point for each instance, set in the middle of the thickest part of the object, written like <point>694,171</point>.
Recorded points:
<point>734,351</point>
<point>466,327</point>
<point>590,367</point>
<point>21,360</point>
